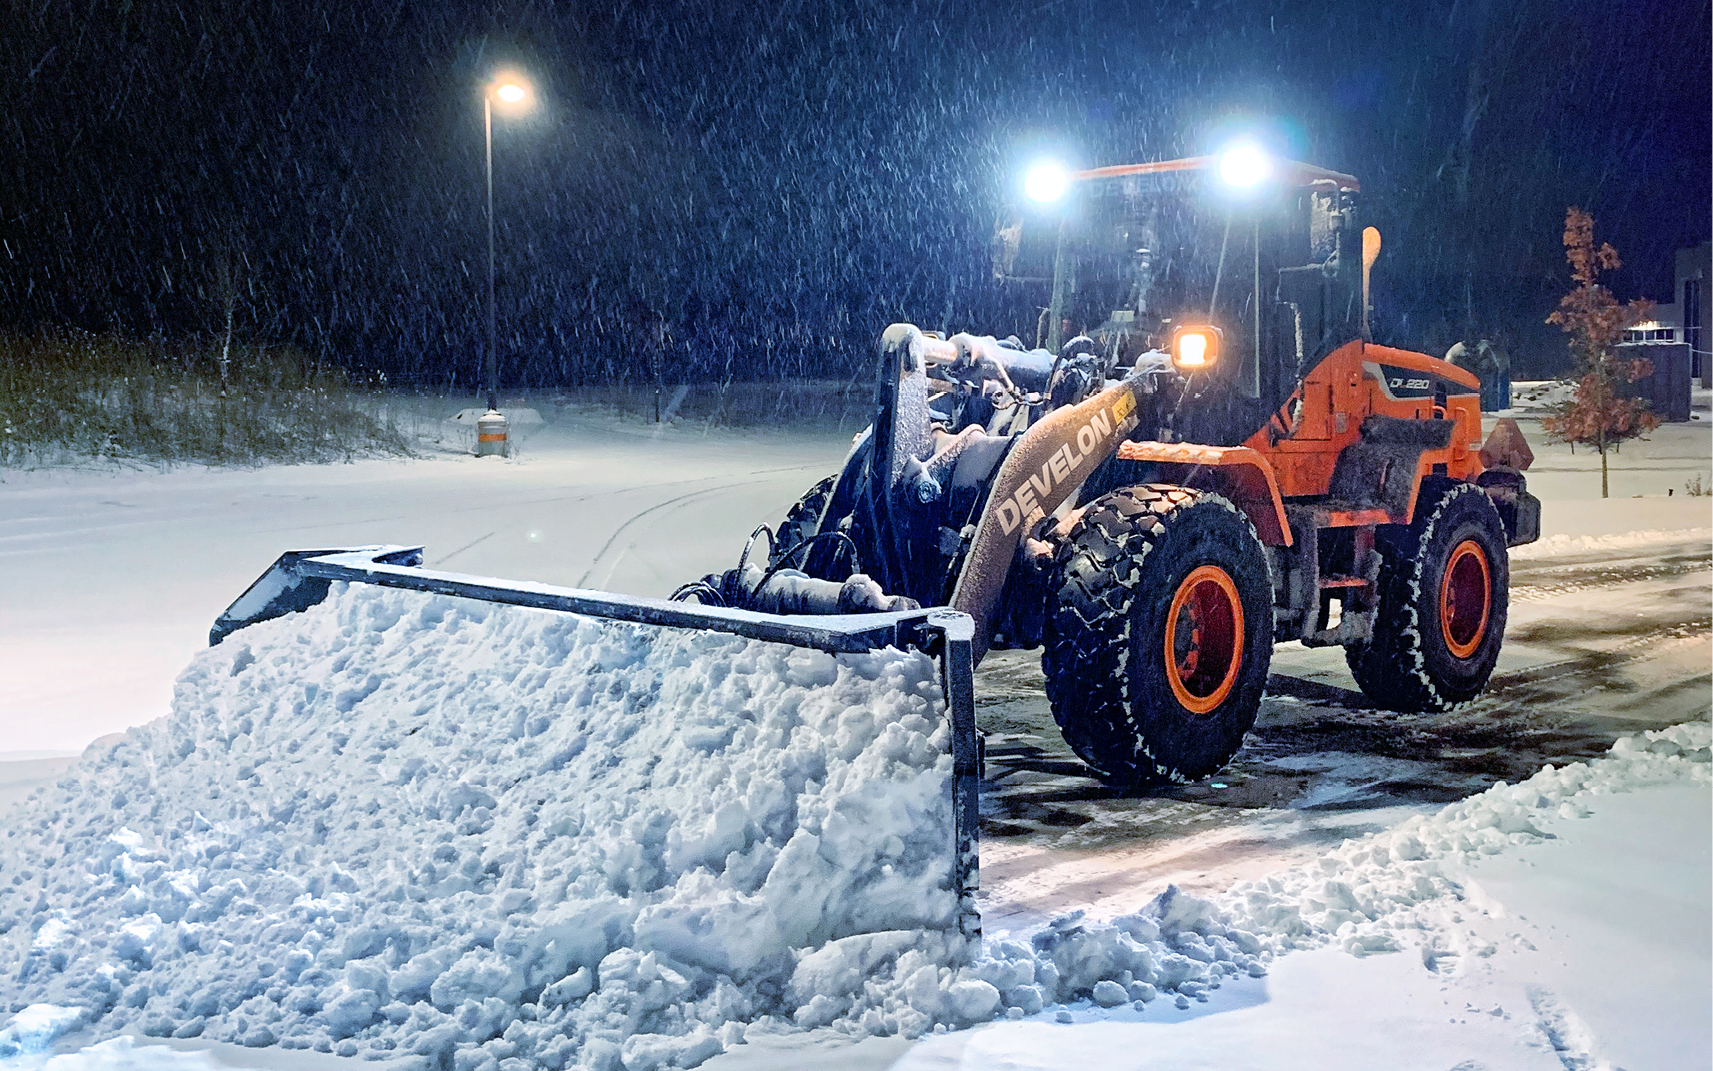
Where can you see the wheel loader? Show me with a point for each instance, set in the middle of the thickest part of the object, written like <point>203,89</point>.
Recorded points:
<point>1203,453</point>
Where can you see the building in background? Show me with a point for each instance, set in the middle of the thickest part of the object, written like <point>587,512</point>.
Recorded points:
<point>1694,269</point>
<point>1676,337</point>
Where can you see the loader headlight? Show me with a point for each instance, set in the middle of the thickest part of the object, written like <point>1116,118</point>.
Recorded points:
<point>1195,349</point>
<point>1244,165</point>
<point>1046,182</point>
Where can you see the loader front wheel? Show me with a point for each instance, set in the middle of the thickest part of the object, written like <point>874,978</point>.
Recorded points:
<point>1444,592</point>
<point>1159,634</point>
<point>802,521</point>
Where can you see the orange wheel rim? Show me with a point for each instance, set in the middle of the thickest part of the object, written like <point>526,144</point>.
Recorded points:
<point>1464,594</point>
<point>1204,639</point>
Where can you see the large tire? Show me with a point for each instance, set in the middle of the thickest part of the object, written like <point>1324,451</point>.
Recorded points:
<point>1444,592</point>
<point>802,521</point>
<point>1135,701</point>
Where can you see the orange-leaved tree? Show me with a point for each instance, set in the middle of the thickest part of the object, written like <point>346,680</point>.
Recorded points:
<point>1599,414</point>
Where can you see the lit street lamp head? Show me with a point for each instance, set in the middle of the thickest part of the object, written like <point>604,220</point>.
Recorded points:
<point>510,92</point>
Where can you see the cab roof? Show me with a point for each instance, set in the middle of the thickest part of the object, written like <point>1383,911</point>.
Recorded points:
<point>1295,172</point>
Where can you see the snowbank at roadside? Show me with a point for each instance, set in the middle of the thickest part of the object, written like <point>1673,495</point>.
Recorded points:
<point>1386,892</point>
<point>1583,946</point>
<point>1392,889</point>
<point>1562,545</point>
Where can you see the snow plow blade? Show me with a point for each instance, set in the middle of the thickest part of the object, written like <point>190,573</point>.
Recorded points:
<point>300,579</point>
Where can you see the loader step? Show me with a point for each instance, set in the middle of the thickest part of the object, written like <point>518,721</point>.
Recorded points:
<point>1342,582</point>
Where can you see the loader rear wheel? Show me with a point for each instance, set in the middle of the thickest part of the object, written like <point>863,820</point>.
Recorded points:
<point>1159,634</point>
<point>1444,592</point>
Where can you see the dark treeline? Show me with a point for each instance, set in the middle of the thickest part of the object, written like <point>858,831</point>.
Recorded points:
<point>777,183</point>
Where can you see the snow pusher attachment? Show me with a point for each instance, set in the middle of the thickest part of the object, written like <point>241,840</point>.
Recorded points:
<point>301,579</point>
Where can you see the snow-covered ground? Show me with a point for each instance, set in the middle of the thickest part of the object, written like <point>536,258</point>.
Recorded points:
<point>1562,922</point>
<point>1668,460</point>
<point>110,580</point>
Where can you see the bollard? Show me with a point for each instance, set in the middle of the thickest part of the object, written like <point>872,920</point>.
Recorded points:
<point>491,434</point>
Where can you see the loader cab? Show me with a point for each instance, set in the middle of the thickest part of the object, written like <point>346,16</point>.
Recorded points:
<point>1130,254</point>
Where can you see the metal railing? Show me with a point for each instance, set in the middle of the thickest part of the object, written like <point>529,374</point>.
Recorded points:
<point>300,579</point>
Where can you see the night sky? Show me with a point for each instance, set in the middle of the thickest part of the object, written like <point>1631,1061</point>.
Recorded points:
<point>778,182</point>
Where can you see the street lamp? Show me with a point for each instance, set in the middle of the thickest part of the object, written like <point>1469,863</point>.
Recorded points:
<point>511,93</point>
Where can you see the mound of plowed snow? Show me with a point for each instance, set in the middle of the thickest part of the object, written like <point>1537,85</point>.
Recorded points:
<point>401,822</point>
<point>1400,888</point>
<point>490,839</point>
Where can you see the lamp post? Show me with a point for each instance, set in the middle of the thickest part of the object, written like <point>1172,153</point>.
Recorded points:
<point>513,95</point>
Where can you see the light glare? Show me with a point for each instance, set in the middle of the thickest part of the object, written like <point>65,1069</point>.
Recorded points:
<point>1244,165</point>
<point>511,93</point>
<point>1046,181</point>
<point>1192,349</point>
<point>1195,349</point>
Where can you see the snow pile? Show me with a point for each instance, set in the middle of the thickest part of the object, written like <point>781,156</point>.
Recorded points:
<point>1391,889</point>
<point>406,824</point>
<point>1539,393</point>
<point>123,1054</point>
<point>1561,545</point>
<point>489,839</point>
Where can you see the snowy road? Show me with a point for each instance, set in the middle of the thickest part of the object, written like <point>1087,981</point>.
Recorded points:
<point>109,581</point>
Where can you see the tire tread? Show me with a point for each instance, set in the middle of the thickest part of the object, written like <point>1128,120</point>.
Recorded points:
<point>1087,660</point>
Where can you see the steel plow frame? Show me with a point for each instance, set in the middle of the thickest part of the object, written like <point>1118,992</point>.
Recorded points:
<point>299,579</point>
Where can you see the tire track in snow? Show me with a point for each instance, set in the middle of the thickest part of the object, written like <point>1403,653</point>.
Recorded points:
<point>612,565</point>
<point>1528,586</point>
<point>1635,649</point>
